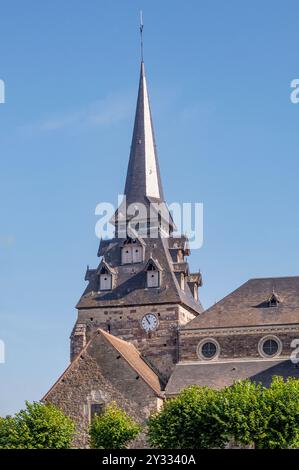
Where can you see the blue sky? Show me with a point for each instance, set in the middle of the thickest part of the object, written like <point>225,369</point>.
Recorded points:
<point>219,78</point>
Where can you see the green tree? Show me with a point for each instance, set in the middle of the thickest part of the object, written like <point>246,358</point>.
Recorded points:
<point>192,420</point>
<point>244,413</point>
<point>112,429</point>
<point>8,433</point>
<point>282,401</point>
<point>38,426</point>
<point>265,418</point>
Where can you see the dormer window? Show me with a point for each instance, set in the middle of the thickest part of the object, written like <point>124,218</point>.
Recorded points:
<point>131,252</point>
<point>274,300</point>
<point>126,255</point>
<point>137,254</point>
<point>105,279</point>
<point>153,271</point>
<point>152,277</point>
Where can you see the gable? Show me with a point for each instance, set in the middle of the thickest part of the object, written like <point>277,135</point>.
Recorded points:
<point>121,362</point>
<point>116,361</point>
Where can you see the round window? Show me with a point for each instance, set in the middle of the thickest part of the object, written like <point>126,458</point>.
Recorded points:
<point>270,346</point>
<point>208,349</point>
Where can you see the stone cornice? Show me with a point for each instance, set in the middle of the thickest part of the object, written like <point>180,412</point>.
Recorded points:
<point>240,330</point>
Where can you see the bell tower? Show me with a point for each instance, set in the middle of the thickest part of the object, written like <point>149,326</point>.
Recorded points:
<point>142,290</point>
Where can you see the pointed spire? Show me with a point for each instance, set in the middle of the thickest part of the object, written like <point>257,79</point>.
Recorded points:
<point>143,176</point>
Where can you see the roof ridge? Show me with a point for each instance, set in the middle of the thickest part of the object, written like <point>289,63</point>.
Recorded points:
<point>271,278</point>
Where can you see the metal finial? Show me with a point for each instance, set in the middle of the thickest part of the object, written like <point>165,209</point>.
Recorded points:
<point>141,35</point>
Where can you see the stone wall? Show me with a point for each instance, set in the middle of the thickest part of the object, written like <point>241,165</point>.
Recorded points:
<point>100,375</point>
<point>159,348</point>
<point>235,343</point>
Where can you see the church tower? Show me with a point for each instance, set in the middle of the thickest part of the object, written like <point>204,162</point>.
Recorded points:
<point>142,291</point>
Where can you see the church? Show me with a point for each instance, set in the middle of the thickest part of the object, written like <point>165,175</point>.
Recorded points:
<point>141,333</point>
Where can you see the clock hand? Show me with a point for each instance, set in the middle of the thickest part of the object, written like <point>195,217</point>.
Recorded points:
<point>148,321</point>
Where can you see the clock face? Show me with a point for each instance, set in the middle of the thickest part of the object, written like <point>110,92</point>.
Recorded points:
<point>149,322</point>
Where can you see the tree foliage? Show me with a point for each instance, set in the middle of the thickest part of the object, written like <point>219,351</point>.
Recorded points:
<point>266,418</point>
<point>38,426</point>
<point>112,429</point>
<point>189,421</point>
<point>282,401</point>
<point>246,413</point>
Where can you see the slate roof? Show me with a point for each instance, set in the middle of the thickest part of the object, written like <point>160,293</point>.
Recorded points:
<point>248,305</point>
<point>224,373</point>
<point>143,182</point>
<point>143,175</point>
<point>130,280</point>
<point>143,185</point>
<point>129,354</point>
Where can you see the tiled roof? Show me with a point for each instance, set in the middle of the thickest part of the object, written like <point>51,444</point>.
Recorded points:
<point>133,358</point>
<point>129,354</point>
<point>248,305</point>
<point>219,374</point>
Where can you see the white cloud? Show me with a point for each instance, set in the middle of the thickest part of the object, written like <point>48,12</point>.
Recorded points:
<point>104,112</point>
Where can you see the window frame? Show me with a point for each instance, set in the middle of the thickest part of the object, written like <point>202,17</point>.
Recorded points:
<point>130,254</point>
<point>148,273</point>
<point>200,345</point>
<point>93,414</point>
<point>140,254</point>
<point>101,288</point>
<point>263,340</point>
